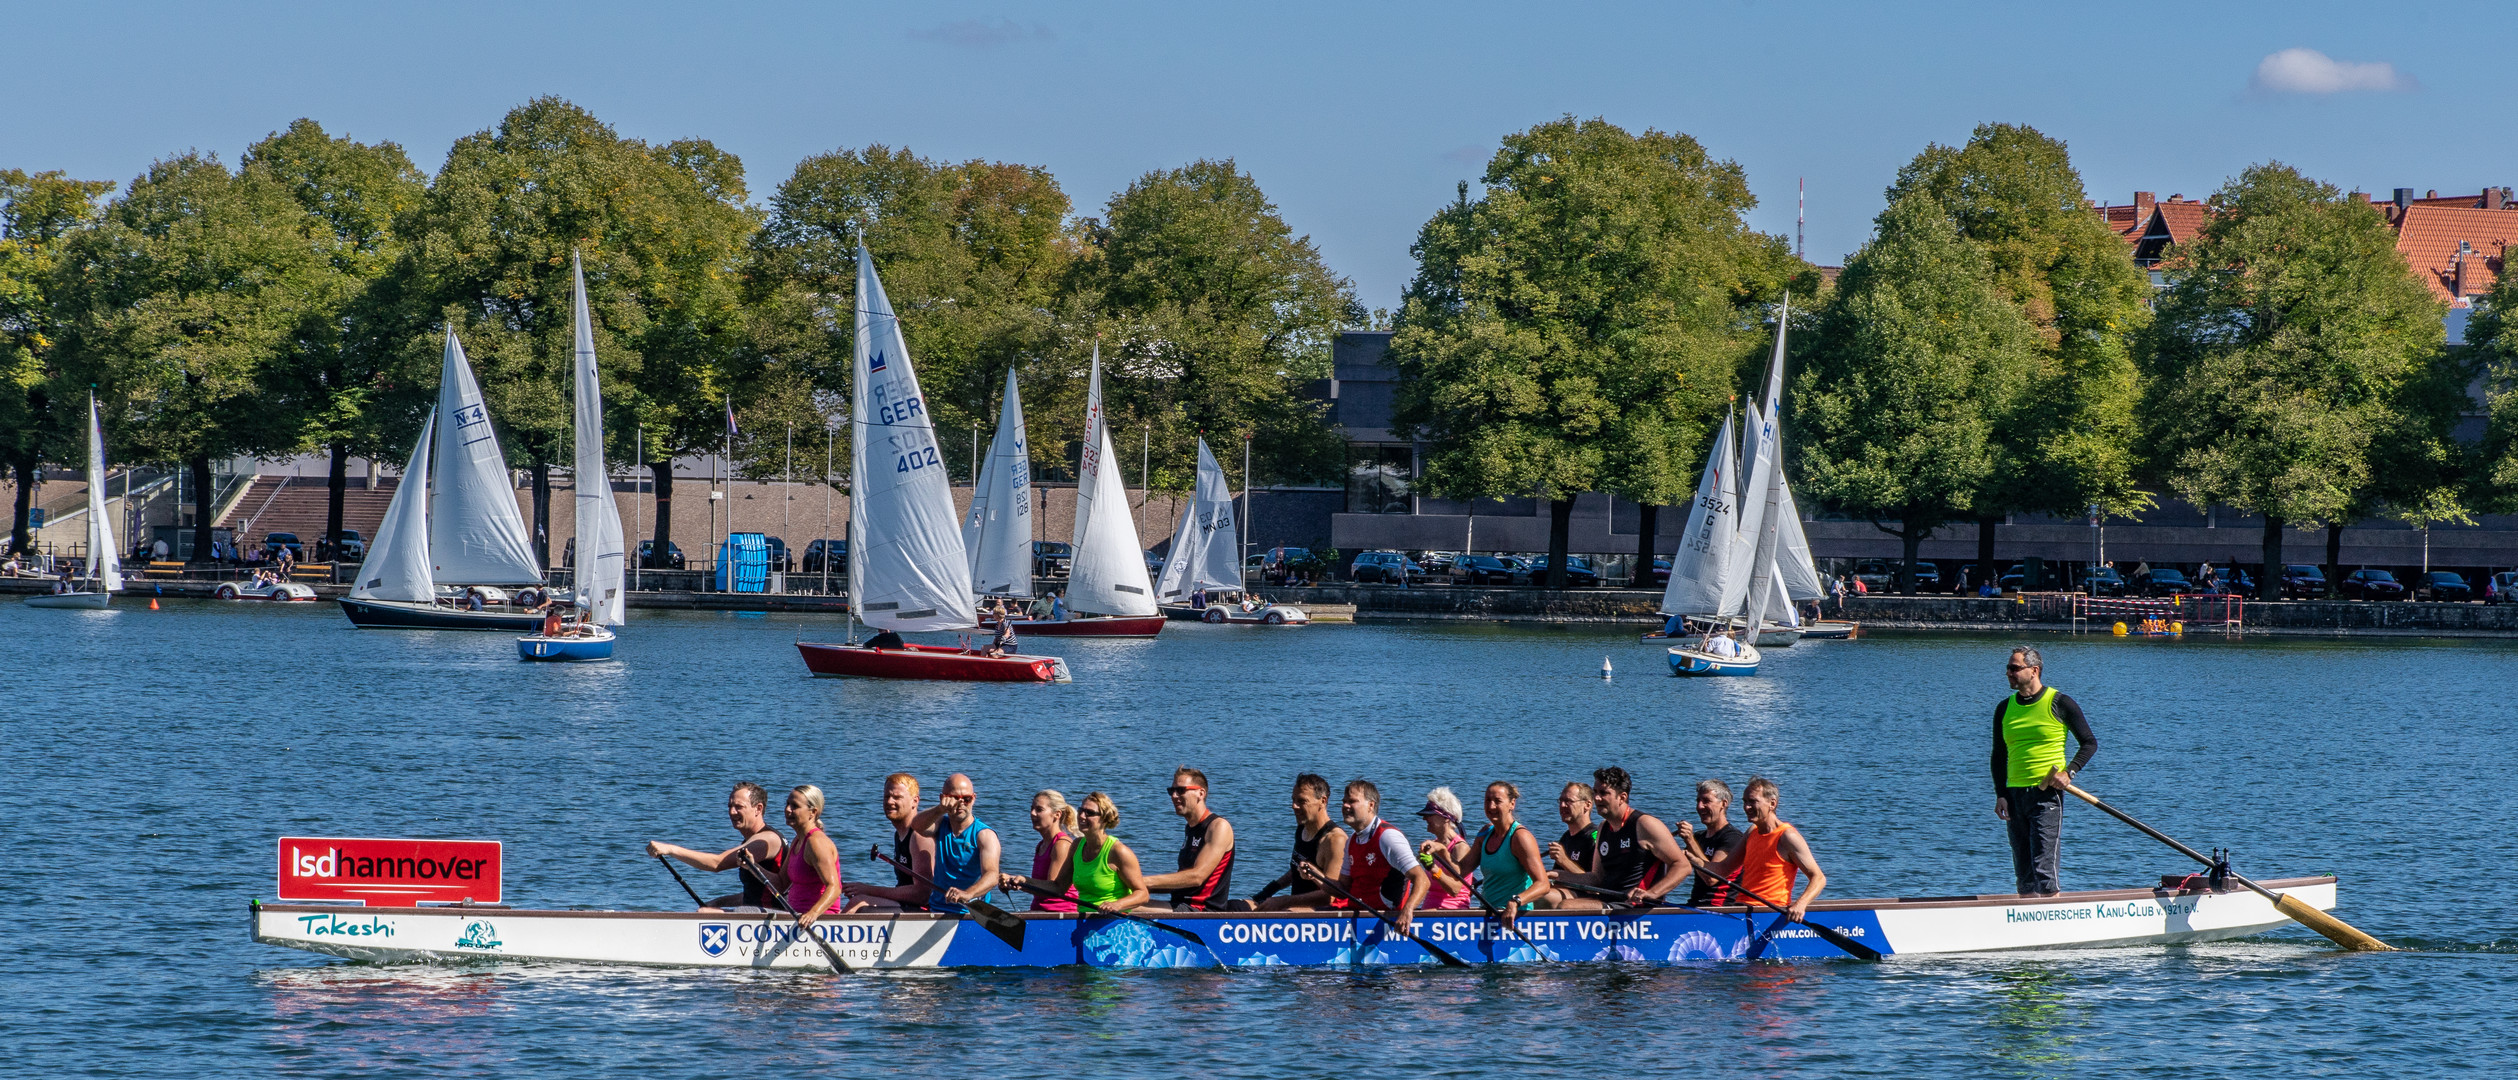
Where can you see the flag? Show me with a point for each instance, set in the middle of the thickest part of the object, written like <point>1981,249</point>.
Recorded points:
<point>731,432</point>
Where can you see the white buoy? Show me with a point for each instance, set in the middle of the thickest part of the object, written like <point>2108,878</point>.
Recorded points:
<point>1604,667</point>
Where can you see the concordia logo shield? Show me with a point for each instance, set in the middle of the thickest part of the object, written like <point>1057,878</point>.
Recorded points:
<point>713,937</point>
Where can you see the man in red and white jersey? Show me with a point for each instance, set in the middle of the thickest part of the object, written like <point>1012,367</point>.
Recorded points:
<point>1381,869</point>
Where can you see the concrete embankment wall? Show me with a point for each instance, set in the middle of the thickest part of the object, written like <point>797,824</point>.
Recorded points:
<point>2051,612</point>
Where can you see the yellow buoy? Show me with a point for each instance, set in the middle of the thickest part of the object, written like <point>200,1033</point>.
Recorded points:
<point>2120,629</point>
<point>2177,628</point>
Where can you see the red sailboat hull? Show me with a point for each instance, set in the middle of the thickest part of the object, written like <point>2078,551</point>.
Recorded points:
<point>936,662</point>
<point>1085,626</point>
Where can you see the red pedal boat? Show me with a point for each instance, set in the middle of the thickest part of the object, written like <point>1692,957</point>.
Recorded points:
<point>1084,626</point>
<point>941,662</point>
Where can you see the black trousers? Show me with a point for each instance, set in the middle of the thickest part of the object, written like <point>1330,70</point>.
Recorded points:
<point>2036,827</point>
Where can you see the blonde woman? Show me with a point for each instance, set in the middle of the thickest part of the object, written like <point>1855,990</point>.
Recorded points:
<point>1100,870</point>
<point>813,865</point>
<point>1448,857</point>
<point>1054,820</point>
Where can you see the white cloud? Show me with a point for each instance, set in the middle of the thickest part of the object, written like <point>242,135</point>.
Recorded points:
<point>2307,71</point>
<point>977,34</point>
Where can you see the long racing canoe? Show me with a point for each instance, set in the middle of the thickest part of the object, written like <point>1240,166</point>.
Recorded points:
<point>2179,911</point>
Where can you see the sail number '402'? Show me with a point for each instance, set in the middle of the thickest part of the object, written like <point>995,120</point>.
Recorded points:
<point>917,459</point>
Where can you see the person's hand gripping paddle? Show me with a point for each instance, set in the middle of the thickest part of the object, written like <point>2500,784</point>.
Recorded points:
<point>1006,925</point>
<point>779,897</point>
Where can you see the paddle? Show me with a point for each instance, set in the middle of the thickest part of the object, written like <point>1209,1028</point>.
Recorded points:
<point>1006,925</point>
<point>2335,930</point>
<point>677,879</point>
<point>779,897</point>
<point>1832,936</point>
<point>1335,890</point>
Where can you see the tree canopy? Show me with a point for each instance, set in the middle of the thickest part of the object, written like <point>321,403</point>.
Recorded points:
<point>36,211</point>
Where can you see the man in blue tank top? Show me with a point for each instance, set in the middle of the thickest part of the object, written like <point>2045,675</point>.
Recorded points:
<point>966,848</point>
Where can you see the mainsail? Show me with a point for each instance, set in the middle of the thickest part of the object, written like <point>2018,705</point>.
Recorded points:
<point>476,536</point>
<point>907,570</point>
<point>1108,575</point>
<point>1701,567</point>
<point>599,556</point>
<point>397,563</point>
<point>1792,546</point>
<point>104,563</point>
<point>998,530</point>
<point>1204,554</point>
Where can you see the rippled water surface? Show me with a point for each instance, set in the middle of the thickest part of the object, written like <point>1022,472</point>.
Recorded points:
<point>152,757</point>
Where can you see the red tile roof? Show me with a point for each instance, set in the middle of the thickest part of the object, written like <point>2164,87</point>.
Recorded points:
<point>2428,236</point>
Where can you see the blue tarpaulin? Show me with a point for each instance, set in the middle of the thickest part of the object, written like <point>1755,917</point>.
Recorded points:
<point>743,564</point>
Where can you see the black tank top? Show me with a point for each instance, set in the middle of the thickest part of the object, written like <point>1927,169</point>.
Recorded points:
<point>1308,851</point>
<point>1623,862</point>
<point>1578,845</point>
<point>1705,894</point>
<point>902,850</point>
<point>1217,885</point>
<point>757,885</point>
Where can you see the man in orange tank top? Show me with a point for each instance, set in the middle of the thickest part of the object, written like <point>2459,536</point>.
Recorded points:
<point>1774,852</point>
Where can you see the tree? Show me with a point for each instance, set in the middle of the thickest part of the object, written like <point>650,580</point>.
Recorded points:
<point>2068,441</point>
<point>2290,334</point>
<point>1214,317</point>
<point>351,385</point>
<point>663,232</point>
<point>1907,376</point>
<point>2491,339</point>
<point>36,212</point>
<point>1578,328</point>
<point>178,306</point>
<point>974,255</point>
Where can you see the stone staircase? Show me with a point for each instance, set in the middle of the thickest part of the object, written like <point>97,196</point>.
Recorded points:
<point>299,504</point>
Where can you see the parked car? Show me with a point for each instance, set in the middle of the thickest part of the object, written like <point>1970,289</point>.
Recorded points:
<point>1280,562</point>
<point>2368,584</point>
<point>2165,581</point>
<point>1387,567</point>
<point>1154,564</point>
<point>2501,588</point>
<point>2230,583</point>
<point>815,552</point>
<point>1877,575</point>
<point>2005,581</point>
<point>348,545</point>
<point>1656,577</point>
<point>1579,572</point>
<point>273,542</point>
<point>1051,558</point>
<point>1437,563</point>
<point>2103,581</point>
<point>777,554</point>
<point>2301,581</point>
<point>650,559</point>
<point>2446,586</point>
<point>1482,570</point>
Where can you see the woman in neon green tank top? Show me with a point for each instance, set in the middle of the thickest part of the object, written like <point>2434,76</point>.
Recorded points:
<point>1103,871</point>
<point>1510,875</point>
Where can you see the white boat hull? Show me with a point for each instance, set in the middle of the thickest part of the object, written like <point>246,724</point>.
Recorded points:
<point>2124,917</point>
<point>1690,661</point>
<point>90,600</point>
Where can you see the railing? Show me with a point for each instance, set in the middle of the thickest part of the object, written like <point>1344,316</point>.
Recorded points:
<point>2225,613</point>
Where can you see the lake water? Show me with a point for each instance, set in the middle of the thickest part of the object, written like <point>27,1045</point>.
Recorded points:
<point>152,757</point>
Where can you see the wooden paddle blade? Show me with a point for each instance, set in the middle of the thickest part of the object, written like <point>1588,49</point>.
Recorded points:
<point>1007,926</point>
<point>1838,939</point>
<point>2335,930</point>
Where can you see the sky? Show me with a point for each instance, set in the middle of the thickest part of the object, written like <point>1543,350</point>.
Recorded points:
<point>1357,118</point>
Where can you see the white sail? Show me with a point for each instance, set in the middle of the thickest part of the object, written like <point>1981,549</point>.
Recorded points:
<point>476,536</point>
<point>998,530</point>
<point>1763,589</point>
<point>1761,463</point>
<point>600,561</point>
<point>397,561</point>
<point>104,563</point>
<point>1107,576</point>
<point>1701,566</point>
<point>1204,554</point>
<point>1800,573</point>
<point>906,567</point>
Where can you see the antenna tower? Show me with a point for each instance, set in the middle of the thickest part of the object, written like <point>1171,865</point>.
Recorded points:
<point>1800,213</point>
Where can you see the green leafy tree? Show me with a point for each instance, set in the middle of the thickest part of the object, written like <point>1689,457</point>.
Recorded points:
<point>1907,376</point>
<point>37,210</point>
<point>1214,316</point>
<point>348,382</point>
<point>974,255</point>
<point>663,231</point>
<point>1579,328</point>
<point>2491,338</point>
<point>2291,336</point>
<point>2069,440</point>
<point>180,305</point>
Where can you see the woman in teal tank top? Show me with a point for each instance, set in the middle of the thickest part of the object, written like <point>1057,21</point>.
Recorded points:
<point>1102,871</point>
<point>1510,876</point>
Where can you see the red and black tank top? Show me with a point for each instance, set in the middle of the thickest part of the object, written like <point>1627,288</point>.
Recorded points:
<point>1210,893</point>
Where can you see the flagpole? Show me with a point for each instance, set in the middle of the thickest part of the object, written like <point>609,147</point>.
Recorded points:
<point>638,510</point>
<point>830,452</point>
<point>725,460</point>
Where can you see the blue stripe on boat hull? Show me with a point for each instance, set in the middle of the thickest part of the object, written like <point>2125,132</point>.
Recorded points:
<point>1665,937</point>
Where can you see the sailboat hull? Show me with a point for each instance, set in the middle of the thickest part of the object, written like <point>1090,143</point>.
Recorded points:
<point>398,615</point>
<point>90,600</point>
<point>931,662</point>
<point>1824,630</point>
<point>1128,626</point>
<point>583,647</point>
<point>1769,635</point>
<point>1692,663</point>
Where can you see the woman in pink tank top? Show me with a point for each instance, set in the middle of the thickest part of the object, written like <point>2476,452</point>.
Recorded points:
<point>1054,820</point>
<point>812,861</point>
<point>1449,858</point>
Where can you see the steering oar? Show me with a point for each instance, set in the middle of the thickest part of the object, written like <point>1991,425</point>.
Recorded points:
<point>2335,930</point>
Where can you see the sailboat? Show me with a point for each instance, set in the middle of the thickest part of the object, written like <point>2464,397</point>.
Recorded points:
<point>1752,582</point>
<point>907,569</point>
<point>1108,591</point>
<point>1707,585</point>
<point>452,532</point>
<point>104,565</point>
<point>1206,556</point>
<point>596,589</point>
